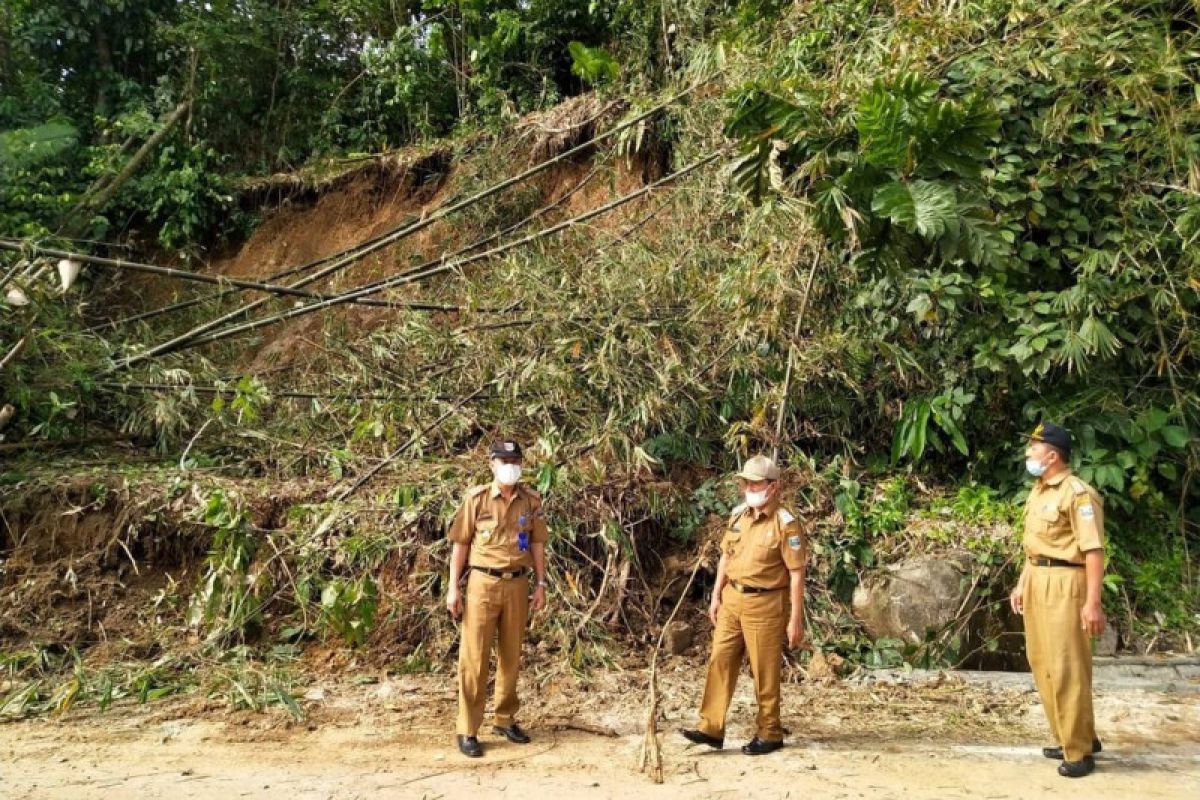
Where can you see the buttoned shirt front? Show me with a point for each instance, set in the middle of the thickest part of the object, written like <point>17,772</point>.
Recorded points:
<point>762,545</point>
<point>499,531</point>
<point>1064,518</point>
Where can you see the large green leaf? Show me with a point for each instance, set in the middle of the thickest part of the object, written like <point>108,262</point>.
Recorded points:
<point>1174,435</point>
<point>927,208</point>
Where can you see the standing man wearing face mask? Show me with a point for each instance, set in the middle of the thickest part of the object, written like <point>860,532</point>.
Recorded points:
<point>1058,595</point>
<point>759,577</point>
<point>500,533</point>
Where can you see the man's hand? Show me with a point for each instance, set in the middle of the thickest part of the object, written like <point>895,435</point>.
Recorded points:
<point>454,602</point>
<point>539,598</point>
<point>714,607</point>
<point>1016,599</point>
<point>1091,618</point>
<point>795,633</point>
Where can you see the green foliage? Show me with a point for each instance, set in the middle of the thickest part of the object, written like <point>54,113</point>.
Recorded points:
<point>229,599</point>
<point>22,148</point>
<point>864,519</point>
<point>1011,231</point>
<point>690,513</point>
<point>593,64</point>
<point>981,505</point>
<point>914,433</point>
<point>348,608</point>
<point>901,182</point>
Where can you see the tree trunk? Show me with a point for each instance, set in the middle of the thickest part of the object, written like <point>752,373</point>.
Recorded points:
<point>78,220</point>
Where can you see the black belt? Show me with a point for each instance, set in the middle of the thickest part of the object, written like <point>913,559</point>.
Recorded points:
<point>1053,562</point>
<point>507,575</point>
<point>753,589</point>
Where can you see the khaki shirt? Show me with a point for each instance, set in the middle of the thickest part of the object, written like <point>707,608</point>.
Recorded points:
<point>1064,518</point>
<point>762,545</point>
<point>490,526</point>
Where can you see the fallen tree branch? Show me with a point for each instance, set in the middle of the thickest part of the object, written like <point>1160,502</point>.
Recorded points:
<point>650,757</point>
<point>90,204</point>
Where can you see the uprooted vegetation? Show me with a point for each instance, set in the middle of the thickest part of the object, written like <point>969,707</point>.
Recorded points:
<point>921,233</point>
<point>243,589</point>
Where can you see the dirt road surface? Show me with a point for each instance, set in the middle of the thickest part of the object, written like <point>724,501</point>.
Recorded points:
<point>935,736</point>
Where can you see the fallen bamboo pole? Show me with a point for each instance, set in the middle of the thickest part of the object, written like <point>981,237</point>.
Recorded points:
<point>427,270</point>
<point>325,259</point>
<point>198,277</point>
<point>390,238</point>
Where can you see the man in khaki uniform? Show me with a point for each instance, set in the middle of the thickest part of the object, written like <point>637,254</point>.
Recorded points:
<point>500,533</point>
<point>1059,595</point>
<point>760,575</point>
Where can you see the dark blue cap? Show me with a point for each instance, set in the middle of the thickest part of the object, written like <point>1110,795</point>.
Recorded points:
<point>1054,435</point>
<point>506,448</point>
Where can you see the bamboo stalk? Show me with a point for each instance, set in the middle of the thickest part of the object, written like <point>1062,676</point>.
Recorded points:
<point>195,277</point>
<point>89,204</point>
<point>282,393</point>
<point>14,352</point>
<point>406,231</point>
<point>195,301</point>
<point>424,271</point>
<point>650,756</point>
<point>787,376</point>
<point>416,437</point>
<point>12,273</point>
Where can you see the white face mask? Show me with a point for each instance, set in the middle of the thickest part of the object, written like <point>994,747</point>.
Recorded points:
<point>508,474</point>
<point>757,499</point>
<point>1034,467</point>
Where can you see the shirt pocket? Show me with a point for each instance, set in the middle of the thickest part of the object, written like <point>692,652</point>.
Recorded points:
<point>1048,516</point>
<point>733,542</point>
<point>766,548</point>
<point>485,532</point>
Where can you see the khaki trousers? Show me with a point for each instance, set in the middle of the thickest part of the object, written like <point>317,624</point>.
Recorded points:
<point>747,623</point>
<point>495,608</point>
<point>1060,655</point>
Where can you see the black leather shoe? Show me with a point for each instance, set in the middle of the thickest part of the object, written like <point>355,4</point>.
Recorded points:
<point>698,737</point>
<point>513,733</point>
<point>469,746</point>
<point>760,747</point>
<point>1077,769</point>
<point>1056,753</point>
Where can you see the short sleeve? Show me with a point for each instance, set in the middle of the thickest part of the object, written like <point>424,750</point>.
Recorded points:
<point>462,528</point>
<point>1087,522</point>
<point>793,546</point>
<point>730,535</point>
<point>539,529</point>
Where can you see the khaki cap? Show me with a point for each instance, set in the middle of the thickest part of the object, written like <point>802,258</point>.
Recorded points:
<point>759,468</point>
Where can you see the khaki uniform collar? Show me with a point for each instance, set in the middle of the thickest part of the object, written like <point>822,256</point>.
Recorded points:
<point>1057,479</point>
<point>758,514</point>
<point>496,490</point>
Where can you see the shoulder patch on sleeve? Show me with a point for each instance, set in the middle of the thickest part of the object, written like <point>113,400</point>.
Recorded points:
<point>1086,511</point>
<point>795,542</point>
<point>475,491</point>
<point>786,517</point>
